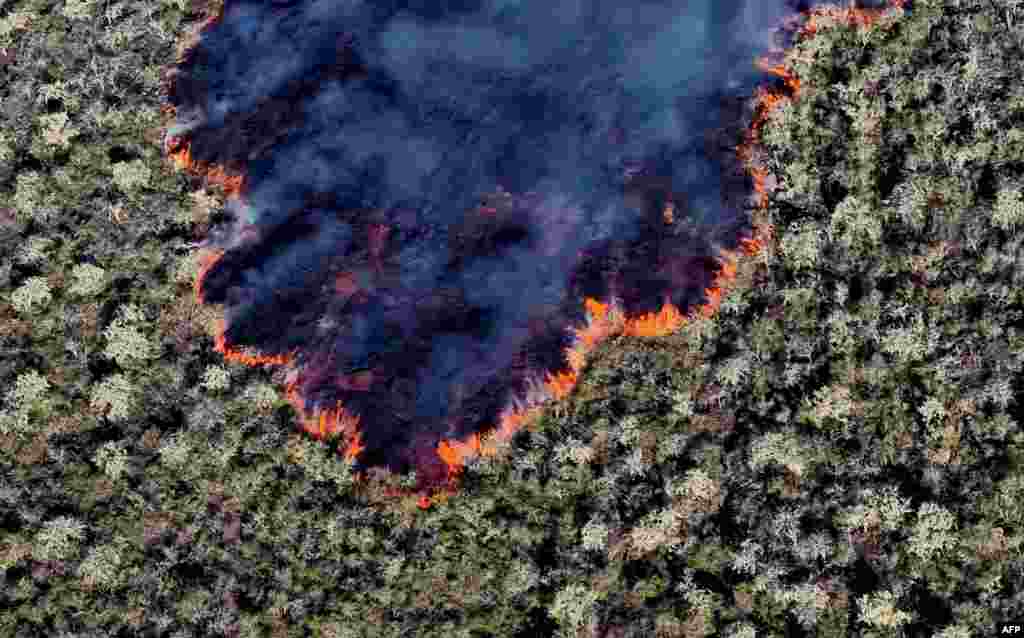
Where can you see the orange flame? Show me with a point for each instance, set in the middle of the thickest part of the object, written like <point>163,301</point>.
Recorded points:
<point>602,322</point>
<point>669,318</point>
<point>206,262</point>
<point>239,356</point>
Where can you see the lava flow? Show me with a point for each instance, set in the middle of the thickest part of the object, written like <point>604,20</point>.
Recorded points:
<point>435,215</point>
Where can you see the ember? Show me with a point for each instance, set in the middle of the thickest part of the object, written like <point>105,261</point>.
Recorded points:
<point>436,214</point>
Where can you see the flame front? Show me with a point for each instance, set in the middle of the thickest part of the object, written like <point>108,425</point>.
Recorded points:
<point>604,319</point>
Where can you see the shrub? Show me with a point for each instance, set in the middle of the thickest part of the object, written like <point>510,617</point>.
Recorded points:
<point>89,280</point>
<point>131,176</point>
<point>879,610</point>
<point>112,460</point>
<point>126,344</point>
<point>175,452</point>
<point>216,379</point>
<point>115,396</point>
<point>1008,212</point>
<point>933,533</point>
<point>59,539</point>
<point>24,401</point>
<point>31,296</point>
<point>77,9</point>
<point>102,567</point>
<point>573,606</point>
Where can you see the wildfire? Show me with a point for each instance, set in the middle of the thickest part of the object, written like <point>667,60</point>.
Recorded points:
<point>239,356</point>
<point>603,324</point>
<point>604,319</point>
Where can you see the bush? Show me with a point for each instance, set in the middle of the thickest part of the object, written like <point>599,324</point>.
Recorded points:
<point>126,343</point>
<point>89,280</point>
<point>115,396</point>
<point>24,403</point>
<point>32,296</point>
<point>59,539</point>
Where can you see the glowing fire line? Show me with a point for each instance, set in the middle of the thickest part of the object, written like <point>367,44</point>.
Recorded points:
<point>604,319</point>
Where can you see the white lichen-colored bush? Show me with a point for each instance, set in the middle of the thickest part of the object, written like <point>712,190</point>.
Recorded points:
<point>58,539</point>
<point>175,452</point>
<point>933,533</point>
<point>1008,212</point>
<point>594,536</point>
<point>216,379</point>
<point>112,459</point>
<point>102,567</point>
<point>802,245</point>
<point>126,343</point>
<point>573,606</point>
<point>78,9</point>
<point>89,280</point>
<point>879,610</point>
<point>32,296</point>
<point>23,401</point>
<point>262,396</point>
<point>115,396</point>
<point>29,189</point>
<point>131,176</point>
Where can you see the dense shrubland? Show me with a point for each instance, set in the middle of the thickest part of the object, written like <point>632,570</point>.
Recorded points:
<point>838,451</point>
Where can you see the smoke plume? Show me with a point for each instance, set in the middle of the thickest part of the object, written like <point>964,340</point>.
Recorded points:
<point>432,189</point>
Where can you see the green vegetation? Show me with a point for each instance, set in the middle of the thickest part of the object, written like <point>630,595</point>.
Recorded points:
<point>839,450</point>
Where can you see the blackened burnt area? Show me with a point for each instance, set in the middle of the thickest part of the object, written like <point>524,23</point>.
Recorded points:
<point>394,434</point>
<point>243,136</point>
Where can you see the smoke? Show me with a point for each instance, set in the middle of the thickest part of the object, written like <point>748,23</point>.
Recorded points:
<point>433,188</point>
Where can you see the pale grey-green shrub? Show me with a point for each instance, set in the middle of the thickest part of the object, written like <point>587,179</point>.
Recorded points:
<point>594,536</point>
<point>112,459</point>
<point>89,280</point>
<point>802,245</point>
<point>102,567</point>
<point>127,344</point>
<point>27,395</point>
<point>131,176</point>
<point>958,630</point>
<point>933,533</point>
<point>78,9</point>
<point>58,539</point>
<point>117,393</point>
<point>176,451</point>
<point>29,192</point>
<point>1008,212</point>
<point>742,630</point>
<point>573,606</point>
<point>216,378</point>
<point>32,296</point>
<point>783,448</point>
<point>879,610</point>
<point>262,396</point>
<point>802,600</point>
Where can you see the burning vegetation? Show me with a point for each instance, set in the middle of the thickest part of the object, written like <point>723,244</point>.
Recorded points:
<point>418,247</point>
